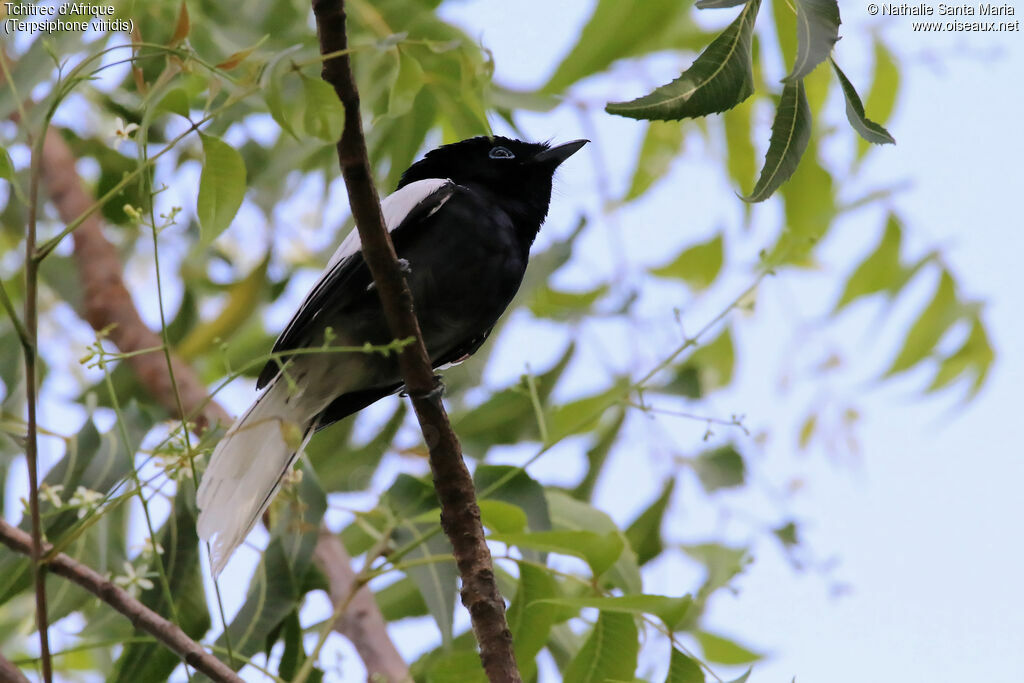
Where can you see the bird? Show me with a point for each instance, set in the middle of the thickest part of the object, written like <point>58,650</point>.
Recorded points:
<point>462,220</point>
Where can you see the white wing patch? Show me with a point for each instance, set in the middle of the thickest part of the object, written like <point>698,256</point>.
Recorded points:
<point>395,207</point>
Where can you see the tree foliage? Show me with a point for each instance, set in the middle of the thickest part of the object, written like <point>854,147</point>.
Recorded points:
<point>209,133</point>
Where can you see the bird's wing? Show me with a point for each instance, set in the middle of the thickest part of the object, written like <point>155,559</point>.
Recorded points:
<point>414,201</point>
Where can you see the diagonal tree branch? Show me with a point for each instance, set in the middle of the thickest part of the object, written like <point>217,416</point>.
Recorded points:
<point>460,515</point>
<point>107,302</point>
<point>10,673</point>
<point>142,617</point>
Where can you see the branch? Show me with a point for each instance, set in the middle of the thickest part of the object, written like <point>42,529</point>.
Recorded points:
<point>10,673</point>
<point>142,617</point>
<point>108,302</point>
<point>460,515</point>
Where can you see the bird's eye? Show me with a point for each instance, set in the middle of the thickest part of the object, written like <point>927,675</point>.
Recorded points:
<point>501,153</point>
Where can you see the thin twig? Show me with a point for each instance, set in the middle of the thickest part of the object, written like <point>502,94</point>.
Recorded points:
<point>460,515</point>
<point>29,348</point>
<point>141,616</point>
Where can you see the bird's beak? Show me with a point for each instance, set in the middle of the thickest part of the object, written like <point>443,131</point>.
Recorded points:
<point>556,155</point>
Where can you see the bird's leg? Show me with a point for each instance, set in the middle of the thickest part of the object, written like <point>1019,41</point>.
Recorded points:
<point>403,265</point>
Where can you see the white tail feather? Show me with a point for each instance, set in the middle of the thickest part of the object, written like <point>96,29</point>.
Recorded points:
<point>247,467</point>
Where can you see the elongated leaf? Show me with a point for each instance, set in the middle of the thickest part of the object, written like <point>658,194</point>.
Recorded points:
<point>558,304</point>
<point>720,78</point>
<point>697,266</point>
<point>881,271</point>
<point>597,454</point>
<point>6,166</point>
<point>437,581</point>
<point>725,651</point>
<point>150,661</point>
<point>884,91</point>
<point>567,513</point>
<point>530,616</point>
<point>183,26</point>
<point>672,611</point>
<point>717,4</point>
<point>937,317</point>
<point>974,357</point>
<point>868,129</point>
<point>661,146</point>
<point>407,84</point>
<point>516,487</point>
<point>791,131</point>
<point>242,302</point>
<point>221,186</point>
<point>599,551</point>
<point>644,533</point>
<point>610,651</point>
<point>721,563</point>
<point>742,159</point>
<point>682,669</point>
<point>817,30</point>
<point>323,116</point>
<point>624,28</point>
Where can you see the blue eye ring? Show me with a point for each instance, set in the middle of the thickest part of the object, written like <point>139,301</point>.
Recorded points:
<point>500,152</point>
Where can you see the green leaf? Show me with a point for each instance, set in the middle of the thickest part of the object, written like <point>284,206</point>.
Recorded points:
<point>720,78</point>
<point>724,651</point>
<point>323,116</point>
<point>881,271</point>
<point>242,302</point>
<point>530,616</point>
<point>175,102</point>
<point>661,146</point>
<point>624,28</point>
<point>400,600</point>
<point>609,653</point>
<point>502,517</point>
<point>742,159</point>
<point>221,186</point>
<point>698,265</point>
<point>717,4</point>
<point>407,84</point>
<point>974,357</point>
<point>6,166</point>
<point>409,497</point>
<point>556,304</point>
<point>885,88</point>
<point>720,468</point>
<point>600,551</point>
<point>745,676</point>
<point>709,368</point>
<point>567,513</point>
<point>672,611</point>
<point>937,317</point>
<point>579,416</point>
<point>516,488</point>
<point>644,533</point>
<point>150,661</point>
<point>683,669</point>
<point>791,131</point>
<point>597,454</point>
<point>869,130</point>
<point>721,563</point>
<point>817,24</point>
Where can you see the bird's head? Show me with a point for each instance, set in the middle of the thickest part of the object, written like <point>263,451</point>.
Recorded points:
<point>515,174</point>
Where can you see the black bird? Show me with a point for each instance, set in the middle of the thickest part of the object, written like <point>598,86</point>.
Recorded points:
<point>462,219</point>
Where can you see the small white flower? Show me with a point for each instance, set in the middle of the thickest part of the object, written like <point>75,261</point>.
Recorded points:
<point>149,547</point>
<point>123,131</point>
<point>85,500</point>
<point>131,581</point>
<point>51,494</point>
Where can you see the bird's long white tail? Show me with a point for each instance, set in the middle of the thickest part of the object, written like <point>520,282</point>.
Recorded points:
<point>247,467</point>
